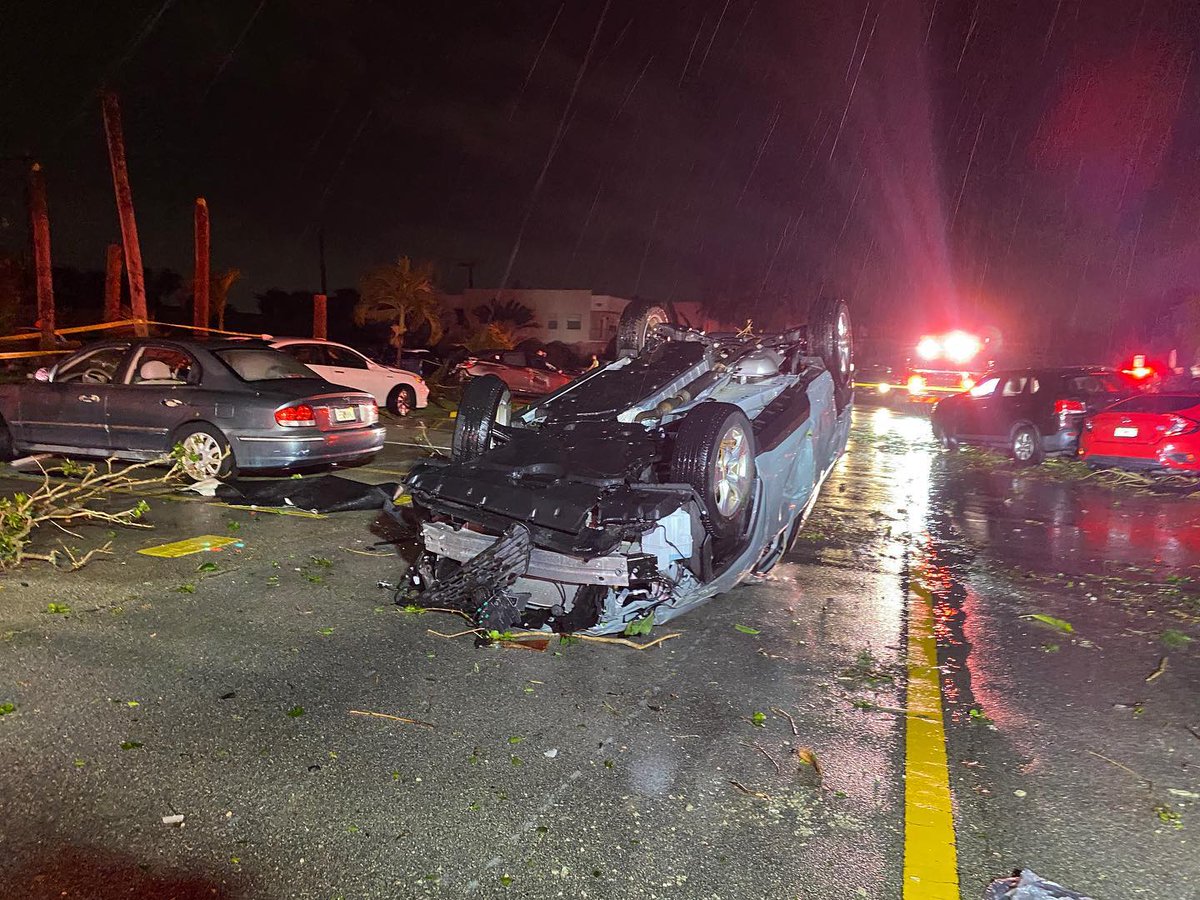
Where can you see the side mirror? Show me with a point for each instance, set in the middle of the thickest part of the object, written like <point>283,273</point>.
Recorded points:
<point>42,374</point>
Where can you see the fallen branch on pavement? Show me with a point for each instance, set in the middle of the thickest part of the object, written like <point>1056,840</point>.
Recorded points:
<point>625,642</point>
<point>403,719</point>
<point>1121,766</point>
<point>758,795</point>
<point>534,637</point>
<point>791,721</point>
<point>764,752</point>
<point>71,499</point>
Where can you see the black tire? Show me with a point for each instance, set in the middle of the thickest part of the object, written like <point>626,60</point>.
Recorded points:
<point>393,400</point>
<point>198,463</point>
<point>1026,445</point>
<point>637,322</point>
<point>944,440</point>
<point>8,452</point>
<point>831,337</point>
<point>485,400</point>
<point>698,444</point>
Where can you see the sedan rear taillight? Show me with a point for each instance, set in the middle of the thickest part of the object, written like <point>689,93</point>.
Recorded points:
<point>1180,425</point>
<point>1067,407</point>
<point>369,412</point>
<point>296,416</point>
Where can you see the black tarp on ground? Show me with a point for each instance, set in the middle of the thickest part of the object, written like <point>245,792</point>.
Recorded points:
<point>321,494</point>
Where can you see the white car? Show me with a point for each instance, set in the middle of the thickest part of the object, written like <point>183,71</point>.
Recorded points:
<point>339,364</point>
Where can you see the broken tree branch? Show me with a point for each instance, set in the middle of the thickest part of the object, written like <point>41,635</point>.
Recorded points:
<point>764,752</point>
<point>791,721</point>
<point>403,719</point>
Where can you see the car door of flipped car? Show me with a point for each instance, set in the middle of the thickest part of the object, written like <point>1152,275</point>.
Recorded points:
<point>159,391</point>
<point>69,411</point>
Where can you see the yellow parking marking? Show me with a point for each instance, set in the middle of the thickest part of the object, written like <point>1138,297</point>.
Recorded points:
<point>930,853</point>
<point>191,545</point>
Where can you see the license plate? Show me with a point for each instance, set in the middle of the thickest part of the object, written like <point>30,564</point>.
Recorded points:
<point>343,413</point>
<point>1125,432</point>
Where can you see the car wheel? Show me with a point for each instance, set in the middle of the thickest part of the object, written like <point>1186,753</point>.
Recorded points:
<point>401,396</point>
<point>1026,445</point>
<point>714,452</point>
<point>8,452</point>
<point>206,453</point>
<point>831,337</point>
<point>944,440</point>
<point>485,402</point>
<point>637,325</point>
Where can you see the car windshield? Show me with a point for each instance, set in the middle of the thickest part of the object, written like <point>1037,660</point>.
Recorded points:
<point>262,364</point>
<point>1157,403</point>
<point>1100,383</point>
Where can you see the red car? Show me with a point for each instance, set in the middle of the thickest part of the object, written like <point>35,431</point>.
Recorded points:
<point>523,373</point>
<point>1150,431</point>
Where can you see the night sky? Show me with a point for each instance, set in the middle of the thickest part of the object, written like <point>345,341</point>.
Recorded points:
<point>1031,164</point>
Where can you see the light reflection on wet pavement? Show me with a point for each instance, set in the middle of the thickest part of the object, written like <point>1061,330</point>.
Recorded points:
<point>1041,723</point>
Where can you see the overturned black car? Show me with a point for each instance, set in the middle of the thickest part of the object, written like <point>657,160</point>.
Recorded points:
<point>640,489</point>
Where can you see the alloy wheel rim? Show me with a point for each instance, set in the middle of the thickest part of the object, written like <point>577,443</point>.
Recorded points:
<point>652,321</point>
<point>732,472</point>
<point>842,340</point>
<point>1023,448</point>
<point>202,455</point>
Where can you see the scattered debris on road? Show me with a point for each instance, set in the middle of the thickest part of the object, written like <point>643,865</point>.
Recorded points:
<point>1028,886</point>
<point>201,544</point>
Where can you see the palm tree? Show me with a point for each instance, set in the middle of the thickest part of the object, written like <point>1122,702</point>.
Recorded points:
<point>401,295</point>
<point>511,313</point>
<point>218,293</point>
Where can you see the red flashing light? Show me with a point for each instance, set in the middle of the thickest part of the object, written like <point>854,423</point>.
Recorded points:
<point>916,385</point>
<point>1138,369</point>
<point>296,416</point>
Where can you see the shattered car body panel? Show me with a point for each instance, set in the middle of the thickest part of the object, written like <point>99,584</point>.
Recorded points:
<point>642,489</point>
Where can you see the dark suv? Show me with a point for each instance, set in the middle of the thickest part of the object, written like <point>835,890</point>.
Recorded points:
<point>1028,412</point>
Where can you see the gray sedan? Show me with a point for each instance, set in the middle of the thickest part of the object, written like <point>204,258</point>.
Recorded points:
<point>229,404</point>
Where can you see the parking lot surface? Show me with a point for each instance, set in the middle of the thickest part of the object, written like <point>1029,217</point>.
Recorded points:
<point>320,741</point>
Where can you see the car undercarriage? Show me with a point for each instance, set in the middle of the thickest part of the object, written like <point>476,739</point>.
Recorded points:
<point>637,491</point>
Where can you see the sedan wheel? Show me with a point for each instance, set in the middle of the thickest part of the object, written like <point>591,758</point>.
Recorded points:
<point>402,400</point>
<point>206,454</point>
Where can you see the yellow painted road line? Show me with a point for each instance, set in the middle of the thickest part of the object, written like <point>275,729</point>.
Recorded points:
<point>930,855</point>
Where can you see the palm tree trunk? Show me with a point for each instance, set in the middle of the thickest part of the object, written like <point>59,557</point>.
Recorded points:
<point>112,283</point>
<point>129,236</point>
<point>202,274</point>
<point>41,255</point>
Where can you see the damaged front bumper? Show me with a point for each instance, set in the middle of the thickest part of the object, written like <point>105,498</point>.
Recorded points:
<point>462,545</point>
<point>506,580</point>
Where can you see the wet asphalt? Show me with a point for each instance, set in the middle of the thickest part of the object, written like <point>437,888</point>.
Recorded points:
<point>589,770</point>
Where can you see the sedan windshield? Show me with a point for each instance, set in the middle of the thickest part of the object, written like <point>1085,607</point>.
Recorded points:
<point>263,364</point>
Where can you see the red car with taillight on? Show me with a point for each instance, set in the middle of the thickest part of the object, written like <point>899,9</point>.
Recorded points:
<point>1150,432</point>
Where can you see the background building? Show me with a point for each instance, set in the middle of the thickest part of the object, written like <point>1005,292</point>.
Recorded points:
<point>578,318</point>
